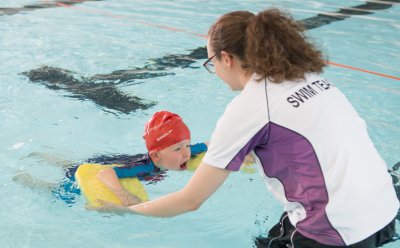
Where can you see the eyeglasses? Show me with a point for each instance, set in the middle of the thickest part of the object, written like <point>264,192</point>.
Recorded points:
<point>209,65</point>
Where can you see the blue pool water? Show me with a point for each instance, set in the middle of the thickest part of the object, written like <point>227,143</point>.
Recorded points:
<point>101,37</point>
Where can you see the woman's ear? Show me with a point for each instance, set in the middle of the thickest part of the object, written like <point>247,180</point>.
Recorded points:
<point>226,59</point>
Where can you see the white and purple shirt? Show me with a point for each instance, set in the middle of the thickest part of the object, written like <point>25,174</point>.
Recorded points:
<point>314,155</point>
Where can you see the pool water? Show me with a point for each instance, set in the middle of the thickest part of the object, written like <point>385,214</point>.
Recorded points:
<point>147,55</point>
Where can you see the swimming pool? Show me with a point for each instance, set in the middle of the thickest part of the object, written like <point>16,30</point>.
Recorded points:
<point>147,55</point>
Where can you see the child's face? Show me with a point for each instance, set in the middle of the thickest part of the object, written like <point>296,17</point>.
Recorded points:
<point>175,157</point>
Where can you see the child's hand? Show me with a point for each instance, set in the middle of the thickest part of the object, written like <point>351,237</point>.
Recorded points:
<point>249,159</point>
<point>108,207</point>
<point>127,199</point>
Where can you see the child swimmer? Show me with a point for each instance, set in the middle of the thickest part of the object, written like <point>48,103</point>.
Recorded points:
<point>168,144</point>
<point>167,140</point>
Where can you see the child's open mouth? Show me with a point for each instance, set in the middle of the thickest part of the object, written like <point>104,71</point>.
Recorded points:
<point>184,166</point>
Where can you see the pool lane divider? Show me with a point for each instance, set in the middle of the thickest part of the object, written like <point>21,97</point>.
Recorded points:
<point>362,70</point>
<point>106,13</point>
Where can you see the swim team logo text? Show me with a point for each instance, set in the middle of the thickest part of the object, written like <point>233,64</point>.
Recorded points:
<point>308,91</point>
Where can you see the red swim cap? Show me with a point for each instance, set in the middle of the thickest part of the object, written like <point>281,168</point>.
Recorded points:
<point>164,129</point>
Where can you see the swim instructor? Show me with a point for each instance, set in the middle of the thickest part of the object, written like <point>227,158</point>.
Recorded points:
<point>307,139</point>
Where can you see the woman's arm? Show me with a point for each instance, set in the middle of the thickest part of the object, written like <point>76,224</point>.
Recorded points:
<point>205,181</point>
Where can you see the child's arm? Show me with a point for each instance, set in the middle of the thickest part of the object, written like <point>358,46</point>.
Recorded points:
<point>110,179</point>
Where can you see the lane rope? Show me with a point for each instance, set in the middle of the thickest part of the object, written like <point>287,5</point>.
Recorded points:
<point>106,13</point>
<point>362,70</point>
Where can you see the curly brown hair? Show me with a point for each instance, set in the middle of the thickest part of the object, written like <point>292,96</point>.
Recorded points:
<point>271,44</point>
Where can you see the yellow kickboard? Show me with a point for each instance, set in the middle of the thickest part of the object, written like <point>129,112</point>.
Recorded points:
<point>93,189</point>
<point>194,162</point>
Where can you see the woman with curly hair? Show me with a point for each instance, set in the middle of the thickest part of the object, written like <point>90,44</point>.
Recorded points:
<point>312,148</point>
